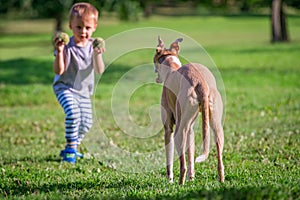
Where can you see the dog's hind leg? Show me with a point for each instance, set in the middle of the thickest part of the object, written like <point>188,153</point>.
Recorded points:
<point>180,143</point>
<point>185,117</point>
<point>191,152</point>
<point>216,110</point>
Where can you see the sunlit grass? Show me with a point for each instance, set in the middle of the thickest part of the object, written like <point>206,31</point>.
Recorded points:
<point>262,133</point>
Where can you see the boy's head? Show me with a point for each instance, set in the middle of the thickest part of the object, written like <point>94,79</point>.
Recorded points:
<point>83,22</point>
<point>83,11</point>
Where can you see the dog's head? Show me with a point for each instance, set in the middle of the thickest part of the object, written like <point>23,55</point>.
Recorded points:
<point>162,54</point>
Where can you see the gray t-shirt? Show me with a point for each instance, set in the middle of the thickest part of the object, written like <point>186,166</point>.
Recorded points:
<point>79,74</point>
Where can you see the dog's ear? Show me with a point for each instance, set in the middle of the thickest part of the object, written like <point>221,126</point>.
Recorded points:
<point>161,46</point>
<point>175,46</point>
<point>160,42</point>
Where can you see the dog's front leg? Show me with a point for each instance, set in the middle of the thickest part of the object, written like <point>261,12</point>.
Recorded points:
<point>169,145</point>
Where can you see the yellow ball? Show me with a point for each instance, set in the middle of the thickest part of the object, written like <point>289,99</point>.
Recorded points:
<point>64,37</point>
<point>98,43</point>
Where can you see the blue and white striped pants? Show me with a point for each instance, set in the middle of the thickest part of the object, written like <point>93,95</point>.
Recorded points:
<point>79,118</point>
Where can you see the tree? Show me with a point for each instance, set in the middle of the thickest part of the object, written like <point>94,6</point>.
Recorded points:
<point>279,22</point>
<point>52,9</point>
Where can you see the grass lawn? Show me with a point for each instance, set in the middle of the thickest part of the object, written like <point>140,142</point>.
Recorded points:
<point>260,81</point>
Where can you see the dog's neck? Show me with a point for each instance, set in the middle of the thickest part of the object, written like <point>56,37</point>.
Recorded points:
<point>173,64</point>
<point>172,61</point>
<point>177,61</point>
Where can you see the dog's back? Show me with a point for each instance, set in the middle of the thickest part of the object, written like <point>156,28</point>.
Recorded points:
<point>193,72</point>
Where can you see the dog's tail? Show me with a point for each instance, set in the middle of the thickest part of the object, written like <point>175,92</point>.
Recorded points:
<point>205,127</point>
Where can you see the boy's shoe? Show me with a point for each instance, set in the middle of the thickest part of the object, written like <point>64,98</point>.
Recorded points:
<point>69,155</point>
<point>63,152</point>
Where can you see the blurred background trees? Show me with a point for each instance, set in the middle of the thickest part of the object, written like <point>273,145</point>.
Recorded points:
<point>133,10</point>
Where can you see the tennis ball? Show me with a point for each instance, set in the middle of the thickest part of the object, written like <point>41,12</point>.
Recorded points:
<point>98,43</point>
<point>64,37</point>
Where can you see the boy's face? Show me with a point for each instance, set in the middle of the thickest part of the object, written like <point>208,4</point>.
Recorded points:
<point>83,28</point>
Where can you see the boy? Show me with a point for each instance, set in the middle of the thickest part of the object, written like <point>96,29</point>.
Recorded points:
<point>74,67</point>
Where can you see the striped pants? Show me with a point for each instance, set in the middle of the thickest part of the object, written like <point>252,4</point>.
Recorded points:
<point>79,118</point>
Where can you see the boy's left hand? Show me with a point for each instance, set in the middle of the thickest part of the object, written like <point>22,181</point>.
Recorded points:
<point>98,50</point>
<point>99,45</point>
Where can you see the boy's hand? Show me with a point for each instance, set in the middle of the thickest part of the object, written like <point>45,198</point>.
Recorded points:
<point>99,45</point>
<point>60,40</point>
<point>98,50</point>
<point>59,45</point>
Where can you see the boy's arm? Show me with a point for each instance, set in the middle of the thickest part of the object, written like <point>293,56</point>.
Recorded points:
<point>98,61</point>
<point>59,62</point>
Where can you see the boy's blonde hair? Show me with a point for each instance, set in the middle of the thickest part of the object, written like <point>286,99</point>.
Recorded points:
<point>83,10</point>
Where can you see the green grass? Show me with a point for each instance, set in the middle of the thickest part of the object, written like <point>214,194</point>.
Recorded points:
<point>262,132</point>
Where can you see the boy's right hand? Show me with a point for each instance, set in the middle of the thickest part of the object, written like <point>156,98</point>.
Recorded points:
<point>60,40</point>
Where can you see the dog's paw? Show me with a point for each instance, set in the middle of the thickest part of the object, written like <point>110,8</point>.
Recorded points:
<point>201,158</point>
<point>191,178</point>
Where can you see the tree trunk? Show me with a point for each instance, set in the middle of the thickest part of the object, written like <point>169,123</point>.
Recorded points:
<point>59,23</point>
<point>279,26</point>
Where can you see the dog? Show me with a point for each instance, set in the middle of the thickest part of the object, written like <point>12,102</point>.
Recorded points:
<point>187,90</point>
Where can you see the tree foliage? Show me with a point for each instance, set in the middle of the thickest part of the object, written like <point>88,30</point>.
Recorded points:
<point>130,10</point>
<point>52,9</point>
